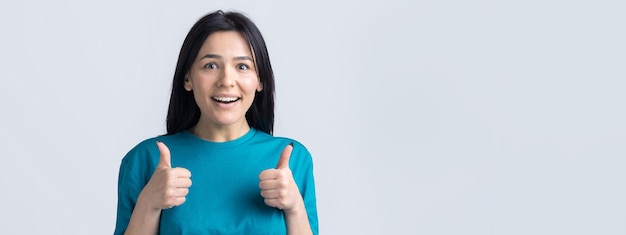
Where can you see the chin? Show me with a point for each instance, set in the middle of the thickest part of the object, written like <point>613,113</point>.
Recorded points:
<point>228,121</point>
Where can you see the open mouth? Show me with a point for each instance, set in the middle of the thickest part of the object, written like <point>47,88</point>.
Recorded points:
<point>225,100</point>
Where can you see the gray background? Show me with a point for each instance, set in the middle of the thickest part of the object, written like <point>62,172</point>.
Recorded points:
<point>424,117</point>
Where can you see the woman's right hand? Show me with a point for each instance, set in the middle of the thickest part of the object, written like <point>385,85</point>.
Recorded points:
<point>168,186</point>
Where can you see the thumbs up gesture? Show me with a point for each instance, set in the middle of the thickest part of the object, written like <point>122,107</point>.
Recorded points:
<point>168,186</point>
<point>278,186</point>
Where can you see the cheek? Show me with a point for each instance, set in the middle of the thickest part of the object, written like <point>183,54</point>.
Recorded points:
<point>251,84</point>
<point>202,83</point>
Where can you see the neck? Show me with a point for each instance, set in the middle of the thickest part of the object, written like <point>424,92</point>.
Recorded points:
<point>219,133</point>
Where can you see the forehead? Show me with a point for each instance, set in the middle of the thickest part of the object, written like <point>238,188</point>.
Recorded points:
<point>226,43</point>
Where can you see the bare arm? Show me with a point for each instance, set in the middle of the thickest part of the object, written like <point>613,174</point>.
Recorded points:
<point>144,220</point>
<point>297,220</point>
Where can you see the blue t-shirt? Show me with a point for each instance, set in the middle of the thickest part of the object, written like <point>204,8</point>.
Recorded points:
<point>225,197</point>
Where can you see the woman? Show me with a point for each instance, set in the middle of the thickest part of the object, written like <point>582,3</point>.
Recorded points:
<point>219,128</point>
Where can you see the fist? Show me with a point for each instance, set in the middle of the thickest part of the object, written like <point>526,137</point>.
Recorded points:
<point>278,187</point>
<point>168,186</point>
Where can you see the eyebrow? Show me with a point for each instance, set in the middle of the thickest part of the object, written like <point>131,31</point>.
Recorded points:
<point>214,56</point>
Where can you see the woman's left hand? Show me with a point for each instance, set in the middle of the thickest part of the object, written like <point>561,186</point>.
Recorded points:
<point>278,186</point>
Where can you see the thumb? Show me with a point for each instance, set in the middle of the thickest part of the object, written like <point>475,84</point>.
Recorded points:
<point>164,160</point>
<point>283,162</point>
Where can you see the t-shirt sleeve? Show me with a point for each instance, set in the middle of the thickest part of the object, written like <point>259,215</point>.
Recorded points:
<point>131,181</point>
<point>306,183</point>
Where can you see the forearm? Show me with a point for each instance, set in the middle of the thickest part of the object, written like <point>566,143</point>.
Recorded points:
<point>298,221</point>
<point>143,220</point>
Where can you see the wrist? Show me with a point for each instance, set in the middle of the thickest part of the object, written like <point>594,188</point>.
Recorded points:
<point>297,210</point>
<point>143,205</point>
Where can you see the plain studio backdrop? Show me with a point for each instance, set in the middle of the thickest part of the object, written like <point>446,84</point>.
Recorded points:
<point>423,117</point>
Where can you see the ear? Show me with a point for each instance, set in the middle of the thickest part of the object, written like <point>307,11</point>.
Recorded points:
<point>259,87</point>
<point>188,85</point>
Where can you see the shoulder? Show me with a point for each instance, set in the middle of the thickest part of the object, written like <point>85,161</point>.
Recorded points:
<point>150,143</point>
<point>297,145</point>
<point>266,139</point>
<point>301,158</point>
<point>146,153</point>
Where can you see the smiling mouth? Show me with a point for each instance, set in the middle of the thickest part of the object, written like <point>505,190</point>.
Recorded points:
<point>226,100</point>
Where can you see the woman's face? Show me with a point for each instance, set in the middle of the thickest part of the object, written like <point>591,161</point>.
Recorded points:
<point>224,79</point>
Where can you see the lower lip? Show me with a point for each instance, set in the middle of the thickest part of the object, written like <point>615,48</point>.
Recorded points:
<point>226,105</point>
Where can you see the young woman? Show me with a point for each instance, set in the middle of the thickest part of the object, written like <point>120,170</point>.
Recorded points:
<point>219,135</point>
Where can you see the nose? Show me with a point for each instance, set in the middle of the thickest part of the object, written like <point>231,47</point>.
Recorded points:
<point>227,78</point>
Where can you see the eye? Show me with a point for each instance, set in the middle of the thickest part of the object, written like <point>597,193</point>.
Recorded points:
<point>243,67</point>
<point>210,66</point>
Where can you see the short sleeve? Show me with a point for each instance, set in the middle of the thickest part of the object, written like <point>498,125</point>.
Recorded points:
<point>134,173</point>
<point>302,170</point>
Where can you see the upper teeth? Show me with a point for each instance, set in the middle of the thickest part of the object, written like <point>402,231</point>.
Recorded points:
<point>225,99</point>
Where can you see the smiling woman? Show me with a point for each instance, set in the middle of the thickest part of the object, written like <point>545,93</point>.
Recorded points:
<point>224,81</point>
<point>219,128</point>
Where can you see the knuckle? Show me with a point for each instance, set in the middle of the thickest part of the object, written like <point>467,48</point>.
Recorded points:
<point>282,193</point>
<point>285,173</point>
<point>169,192</point>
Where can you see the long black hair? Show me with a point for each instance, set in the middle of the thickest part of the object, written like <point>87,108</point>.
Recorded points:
<point>183,112</point>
